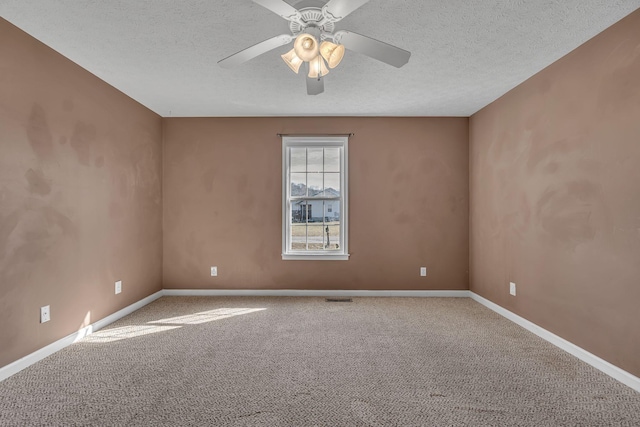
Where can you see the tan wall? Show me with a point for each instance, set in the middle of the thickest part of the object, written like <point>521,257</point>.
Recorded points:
<point>555,197</point>
<point>408,201</point>
<point>80,196</point>
<point>554,191</point>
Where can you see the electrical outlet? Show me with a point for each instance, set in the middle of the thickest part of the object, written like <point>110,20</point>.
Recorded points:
<point>512,288</point>
<point>118,286</point>
<point>214,271</point>
<point>423,271</point>
<point>45,314</point>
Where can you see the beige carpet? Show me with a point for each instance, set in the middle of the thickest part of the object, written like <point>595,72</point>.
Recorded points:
<point>307,362</point>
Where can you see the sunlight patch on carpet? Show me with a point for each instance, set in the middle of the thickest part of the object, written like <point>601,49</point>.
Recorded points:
<point>167,324</point>
<point>207,316</point>
<point>125,332</point>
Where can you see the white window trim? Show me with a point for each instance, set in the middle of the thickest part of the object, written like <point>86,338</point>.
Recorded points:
<point>308,141</point>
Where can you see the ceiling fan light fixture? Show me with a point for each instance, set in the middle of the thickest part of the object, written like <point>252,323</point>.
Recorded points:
<point>312,29</point>
<point>317,68</point>
<point>292,60</point>
<point>332,53</point>
<point>306,47</point>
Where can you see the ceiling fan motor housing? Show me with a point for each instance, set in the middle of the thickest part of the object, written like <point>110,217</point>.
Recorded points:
<point>312,17</point>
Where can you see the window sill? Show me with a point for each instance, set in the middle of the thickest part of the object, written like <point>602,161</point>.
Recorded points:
<point>315,257</point>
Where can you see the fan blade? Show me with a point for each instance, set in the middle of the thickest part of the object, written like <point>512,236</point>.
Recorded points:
<point>281,8</point>
<point>376,49</point>
<point>255,50</point>
<point>336,10</point>
<point>315,86</point>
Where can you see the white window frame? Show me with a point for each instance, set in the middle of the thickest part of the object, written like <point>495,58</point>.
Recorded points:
<point>341,142</point>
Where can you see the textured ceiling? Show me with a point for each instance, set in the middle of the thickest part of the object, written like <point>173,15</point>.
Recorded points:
<point>164,53</point>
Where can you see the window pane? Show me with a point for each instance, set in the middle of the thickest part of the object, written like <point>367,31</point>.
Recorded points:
<point>298,236</point>
<point>299,212</point>
<point>332,211</point>
<point>332,225</point>
<point>332,182</point>
<point>315,184</point>
<point>332,160</point>
<point>315,209</point>
<point>334,235</point>
<point>298,159</point>
<point>298,184</point>
<point>316,237</point>
<point>314,160</point>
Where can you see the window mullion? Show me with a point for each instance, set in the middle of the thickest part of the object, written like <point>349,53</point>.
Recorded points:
<point>342,203</point>
<point>298,198</point>
<point>306,203</point>
<point>324,207</point>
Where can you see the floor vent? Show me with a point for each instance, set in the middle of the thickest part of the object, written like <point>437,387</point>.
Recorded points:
<point>338,299</point>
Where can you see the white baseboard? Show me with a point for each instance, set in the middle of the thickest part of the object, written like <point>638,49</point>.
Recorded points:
<point>36,356</point>
<point>593,360</point>
<point>30,359</point>
<point>312,293</point>
<point>582,354</point>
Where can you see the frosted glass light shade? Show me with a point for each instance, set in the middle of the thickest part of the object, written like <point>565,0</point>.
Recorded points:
<point>332,53</point>
<point>317,68</point>
<point>306,47</point>
<point>292,60</point>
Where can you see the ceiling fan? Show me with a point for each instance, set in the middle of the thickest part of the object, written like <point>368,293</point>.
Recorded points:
<point>315,42</point>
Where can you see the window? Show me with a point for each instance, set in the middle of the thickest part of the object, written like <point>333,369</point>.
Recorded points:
<point>314,223</point>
